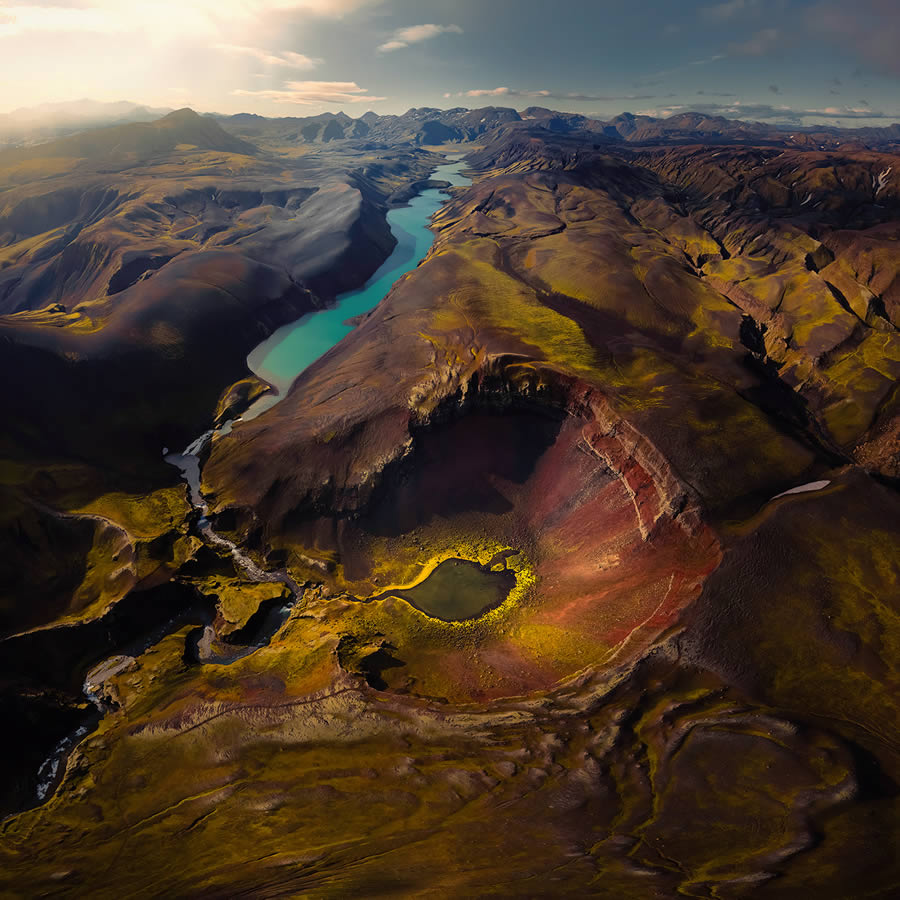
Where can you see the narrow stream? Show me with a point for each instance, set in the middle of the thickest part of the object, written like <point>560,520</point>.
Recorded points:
<point>278,360</point>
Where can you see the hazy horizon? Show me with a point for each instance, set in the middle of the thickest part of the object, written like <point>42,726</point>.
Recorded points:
<point>24,117</point>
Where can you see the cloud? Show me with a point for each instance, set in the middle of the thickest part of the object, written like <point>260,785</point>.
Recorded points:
<point>16,20</point>
<point>722,12</point>
<point>661,76</point>
<point>850,113</point>
<point>704,62</point>
<point>494,92</point>
<point>415,34</point>
<point>162,18</point>
<point>759,44</point>
<point>299,60</point>
<point>285,58</point>
<point>784,114</point>
<point>601,98</point>
<point>311,93</point>
<point>871,28</point>
<point>549,95</point>
<point>148,44</point>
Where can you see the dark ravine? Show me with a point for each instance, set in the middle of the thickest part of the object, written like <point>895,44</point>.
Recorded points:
<point>64,663</point>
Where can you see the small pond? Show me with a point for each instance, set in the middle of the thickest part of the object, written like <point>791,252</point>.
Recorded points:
<point>456,590</point>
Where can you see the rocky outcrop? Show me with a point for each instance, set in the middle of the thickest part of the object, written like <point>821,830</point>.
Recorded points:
<point>427,125</point>
<point>239,398</point>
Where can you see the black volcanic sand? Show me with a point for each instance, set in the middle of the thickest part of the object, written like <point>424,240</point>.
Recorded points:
<point>456,590</point>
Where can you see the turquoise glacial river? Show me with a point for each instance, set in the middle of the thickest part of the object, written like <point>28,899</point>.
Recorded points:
<point>293,347</point>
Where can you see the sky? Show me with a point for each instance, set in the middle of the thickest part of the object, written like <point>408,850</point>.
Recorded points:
<point>798,62</point>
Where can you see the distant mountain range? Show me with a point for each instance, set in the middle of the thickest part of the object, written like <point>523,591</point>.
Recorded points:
<point>35,124</point>
<point>182,129</point>
<point>423,126</point>
<point>427,125</point>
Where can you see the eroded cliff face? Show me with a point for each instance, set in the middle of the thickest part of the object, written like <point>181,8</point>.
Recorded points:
<point>691,688</point>
<point>806,249</point>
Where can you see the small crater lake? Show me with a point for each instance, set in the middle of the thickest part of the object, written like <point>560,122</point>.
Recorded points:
<point>457,590</point>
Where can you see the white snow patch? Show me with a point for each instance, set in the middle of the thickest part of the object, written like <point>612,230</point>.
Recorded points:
<point>803,488</point>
